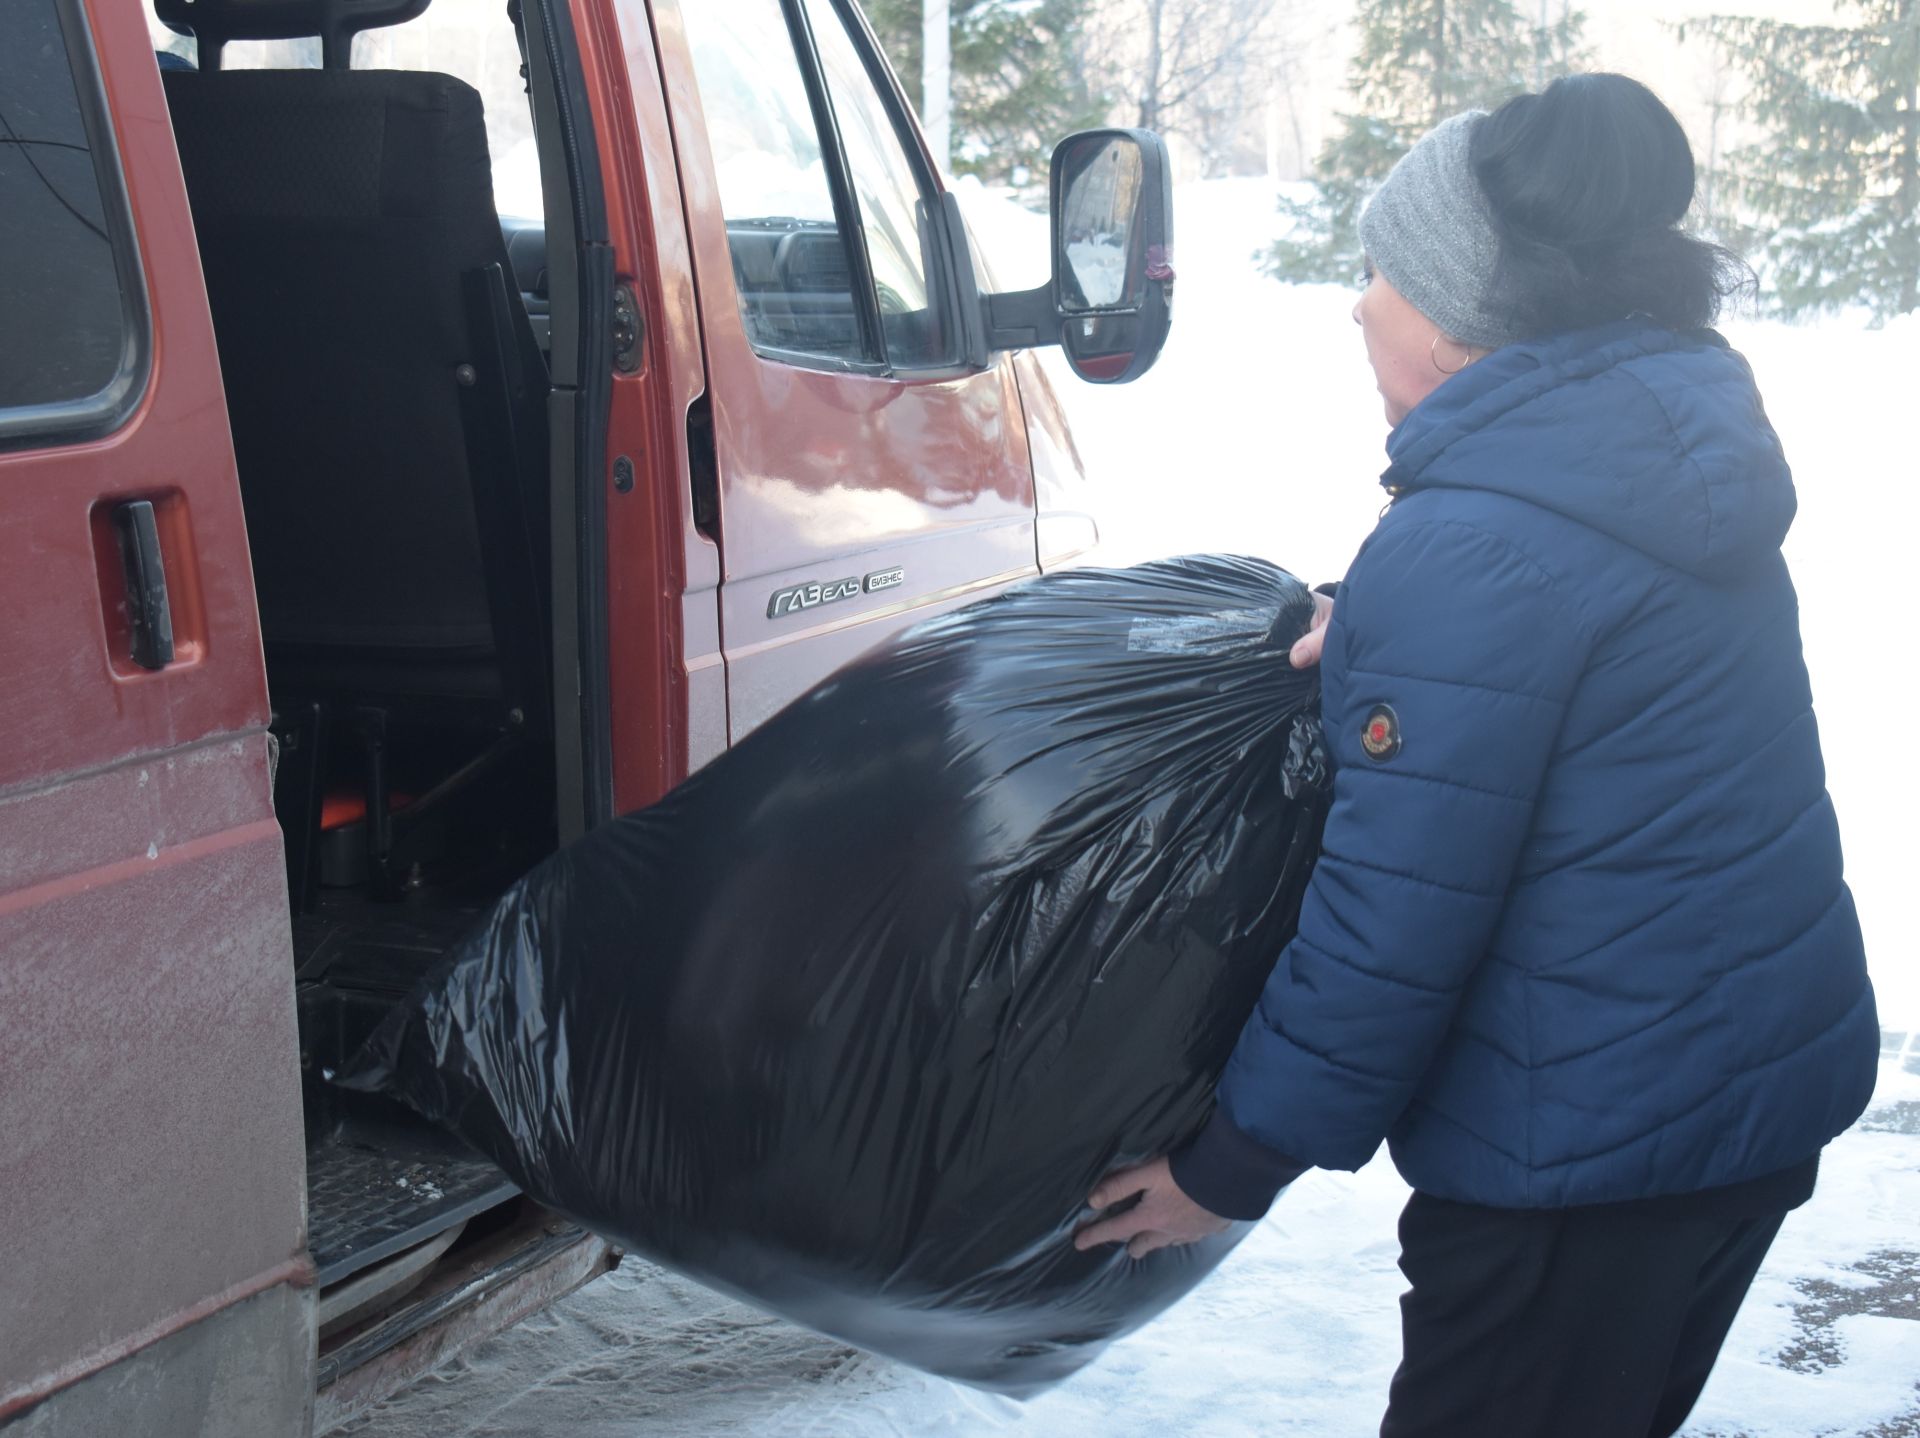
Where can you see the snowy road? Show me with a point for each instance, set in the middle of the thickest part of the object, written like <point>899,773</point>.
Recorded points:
<point>1260,431</point>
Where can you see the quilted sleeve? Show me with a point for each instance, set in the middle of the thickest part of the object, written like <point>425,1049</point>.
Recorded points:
<point>1449,664</point>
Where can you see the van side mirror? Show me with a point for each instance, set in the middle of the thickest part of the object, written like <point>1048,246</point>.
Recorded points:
<point>1110,301</point>
<point>1112,202</point>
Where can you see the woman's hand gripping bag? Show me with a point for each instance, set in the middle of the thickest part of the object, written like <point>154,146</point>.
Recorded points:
<point>850,1024</point>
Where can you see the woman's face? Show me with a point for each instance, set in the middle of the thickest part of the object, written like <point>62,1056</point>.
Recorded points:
<point>1405,348</point>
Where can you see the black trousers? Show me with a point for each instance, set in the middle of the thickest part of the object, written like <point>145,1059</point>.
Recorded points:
<point>1599,1322</point>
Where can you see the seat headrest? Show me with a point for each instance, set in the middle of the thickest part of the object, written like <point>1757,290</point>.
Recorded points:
<point>341,146</point>
<point>214,22</point>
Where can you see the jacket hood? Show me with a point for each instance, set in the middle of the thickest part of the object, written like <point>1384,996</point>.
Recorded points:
<point>1654,437</point>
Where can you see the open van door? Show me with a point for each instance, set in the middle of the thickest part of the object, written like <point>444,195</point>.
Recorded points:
<point>151,1169</point>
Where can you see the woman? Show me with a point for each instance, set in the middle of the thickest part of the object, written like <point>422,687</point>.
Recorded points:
<point>1578,945</point>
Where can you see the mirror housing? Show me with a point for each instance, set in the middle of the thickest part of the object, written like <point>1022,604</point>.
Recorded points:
<point>1109,303</point>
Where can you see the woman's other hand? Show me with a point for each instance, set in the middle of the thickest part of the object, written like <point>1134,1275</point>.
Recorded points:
<point>1306,650</point>
<point>1163,1217</point>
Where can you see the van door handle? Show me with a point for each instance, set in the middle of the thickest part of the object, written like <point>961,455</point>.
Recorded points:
<point>149,616</point>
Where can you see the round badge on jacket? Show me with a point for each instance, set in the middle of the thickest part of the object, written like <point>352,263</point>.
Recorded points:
<point>1381,736</point>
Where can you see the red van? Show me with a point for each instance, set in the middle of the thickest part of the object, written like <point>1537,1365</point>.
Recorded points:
<point>359,546</point>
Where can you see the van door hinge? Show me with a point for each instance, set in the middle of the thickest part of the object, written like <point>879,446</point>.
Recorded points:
<point>628,330</point>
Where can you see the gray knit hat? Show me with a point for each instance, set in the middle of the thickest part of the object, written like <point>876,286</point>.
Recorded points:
<point>1429,231</point>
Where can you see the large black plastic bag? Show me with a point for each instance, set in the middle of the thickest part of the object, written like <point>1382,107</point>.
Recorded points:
<point>851,1023</point>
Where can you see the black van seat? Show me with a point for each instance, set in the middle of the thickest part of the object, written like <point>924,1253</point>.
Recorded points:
<point>386,394</point>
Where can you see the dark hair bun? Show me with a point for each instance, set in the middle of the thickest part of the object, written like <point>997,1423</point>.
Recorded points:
<point>1588,182</point>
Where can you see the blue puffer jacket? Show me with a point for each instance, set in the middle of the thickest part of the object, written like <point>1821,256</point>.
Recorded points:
<point>1579,932</point>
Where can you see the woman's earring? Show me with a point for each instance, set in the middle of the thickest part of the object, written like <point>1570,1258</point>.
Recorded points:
<point>1433,353</point>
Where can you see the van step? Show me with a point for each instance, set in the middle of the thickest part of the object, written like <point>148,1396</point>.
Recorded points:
<point>376,1188</point>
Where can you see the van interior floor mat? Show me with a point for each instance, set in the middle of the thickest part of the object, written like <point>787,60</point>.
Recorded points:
<point>379,1179</point>
<point>376,1188</point>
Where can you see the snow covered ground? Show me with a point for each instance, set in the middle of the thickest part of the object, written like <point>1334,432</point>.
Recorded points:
<point>1260,431</point>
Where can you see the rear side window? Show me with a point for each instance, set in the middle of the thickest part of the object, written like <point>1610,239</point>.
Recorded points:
<point>789,258</point>
<point>72,314</point>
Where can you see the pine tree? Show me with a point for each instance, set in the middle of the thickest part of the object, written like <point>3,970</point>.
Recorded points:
<point>1834,190</point>
<point>1418,62</point>
<point>1018,85</point>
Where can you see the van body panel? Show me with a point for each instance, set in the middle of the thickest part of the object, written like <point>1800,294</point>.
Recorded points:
<point>826,478</point>
<point>153,1170</point>
<point>175,449</point>
<point>1066,530</point>
<point>243,1371</point>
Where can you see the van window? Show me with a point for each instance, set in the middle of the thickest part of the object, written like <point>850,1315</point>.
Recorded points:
<point>72,322</point>
<point>894,206</point>
<point>789,262</point>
